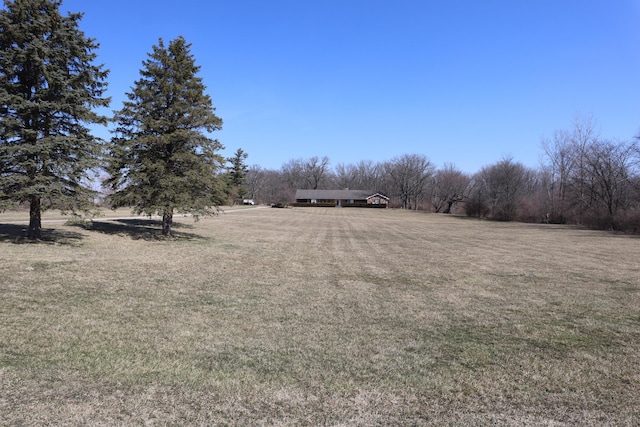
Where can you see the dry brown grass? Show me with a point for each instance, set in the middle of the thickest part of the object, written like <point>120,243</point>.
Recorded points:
<point>319,317</point>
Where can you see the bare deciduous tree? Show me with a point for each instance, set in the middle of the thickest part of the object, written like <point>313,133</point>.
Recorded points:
<point>293,173</point>
<point>590,181</point>
<point>503,186</point>
<point>276,188</point>
<point>562,157</point>
<point>408,177</point>
<point>449,186</point>
<point>583,136</point>
<point>312,173</point>
<point>317,171</point>
<point>609,166</point>
<point>364,175</point>
<point>346,176</point>
<point>370,175</point>
<point>255,181</point>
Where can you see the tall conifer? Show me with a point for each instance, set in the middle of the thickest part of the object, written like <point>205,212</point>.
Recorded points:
<point>49,87</point>
<point>161,159</point>
<point>237,173</point>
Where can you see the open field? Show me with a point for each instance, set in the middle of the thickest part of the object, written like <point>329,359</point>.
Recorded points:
<point>319,317</point>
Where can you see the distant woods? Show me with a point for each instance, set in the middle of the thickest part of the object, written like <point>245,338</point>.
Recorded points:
<point>583,179</point>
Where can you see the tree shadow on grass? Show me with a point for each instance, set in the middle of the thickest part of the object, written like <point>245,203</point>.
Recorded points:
<point>138,229</point>
<point>17,233</point>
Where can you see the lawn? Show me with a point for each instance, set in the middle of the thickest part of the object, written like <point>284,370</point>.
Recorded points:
<point>319,316</point>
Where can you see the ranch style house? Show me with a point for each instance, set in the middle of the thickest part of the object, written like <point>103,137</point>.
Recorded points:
<point>341,198</point>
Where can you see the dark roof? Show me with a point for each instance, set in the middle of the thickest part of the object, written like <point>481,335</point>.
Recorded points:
<point>336,194</point>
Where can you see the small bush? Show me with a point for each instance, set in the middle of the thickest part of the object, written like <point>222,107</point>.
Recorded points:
<point>630,221</point>
<point>476,208</point>
<point>364,205</point>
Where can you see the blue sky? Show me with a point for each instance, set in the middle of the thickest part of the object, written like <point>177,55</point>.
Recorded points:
<point>466,82</point>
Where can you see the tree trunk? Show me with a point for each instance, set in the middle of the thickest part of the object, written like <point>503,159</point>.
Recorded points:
<point>35,219</point>
<point>167,221</point>
<point>405,201</point>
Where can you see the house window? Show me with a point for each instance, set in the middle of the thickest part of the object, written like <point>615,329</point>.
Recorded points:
<point>350,200</point>
<point>376,202</point>
<point>314,200</point>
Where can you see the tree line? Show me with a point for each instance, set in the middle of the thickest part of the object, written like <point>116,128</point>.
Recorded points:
<point>583,179</point>
<point>162,160</point>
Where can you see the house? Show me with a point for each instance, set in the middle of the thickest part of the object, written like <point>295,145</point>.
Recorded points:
<point>342,198</point>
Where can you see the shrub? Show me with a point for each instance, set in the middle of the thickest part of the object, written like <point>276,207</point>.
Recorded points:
<point>364,205</point>
<point>312,205</point>
<point>476,208</point>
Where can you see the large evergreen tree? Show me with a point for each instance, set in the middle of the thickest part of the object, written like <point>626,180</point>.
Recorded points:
<point>237,173</point>
<point>49,87</point>
<point>161,160</point>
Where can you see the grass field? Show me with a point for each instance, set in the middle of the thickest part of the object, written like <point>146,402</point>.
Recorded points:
<point>319,317</point>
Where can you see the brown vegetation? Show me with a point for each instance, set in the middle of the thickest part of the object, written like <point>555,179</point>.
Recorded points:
<point>319,317</point>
